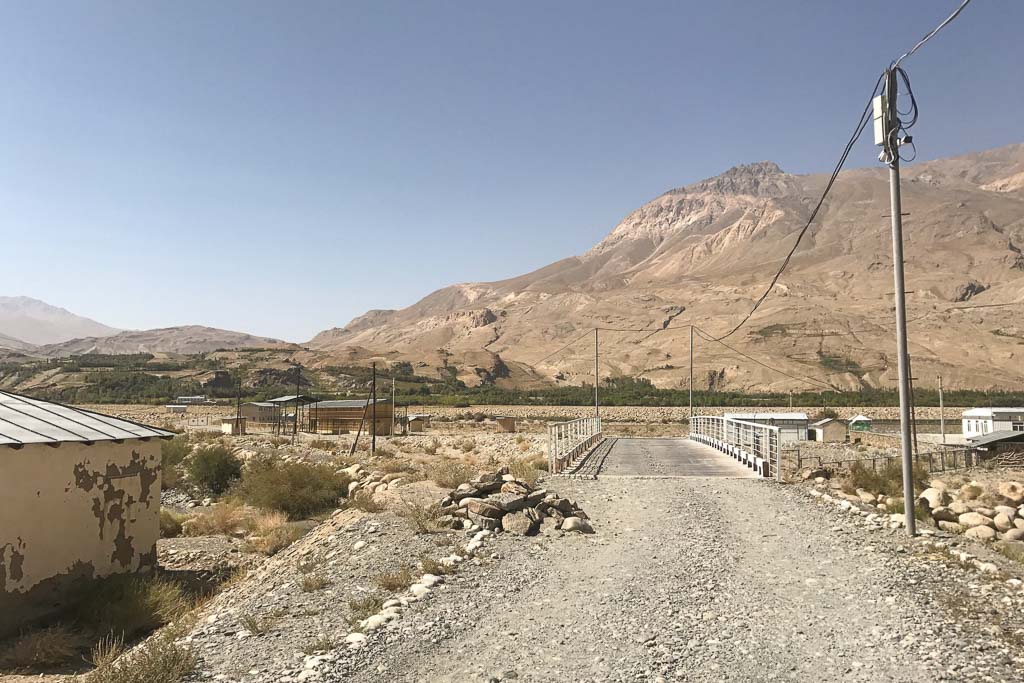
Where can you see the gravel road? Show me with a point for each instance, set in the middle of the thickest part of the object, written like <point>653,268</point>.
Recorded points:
<point>706,579</point>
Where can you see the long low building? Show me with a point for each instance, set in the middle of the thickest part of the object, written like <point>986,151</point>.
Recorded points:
<point>345,416</point>
<point>982,421</point>
<point>792,426</point>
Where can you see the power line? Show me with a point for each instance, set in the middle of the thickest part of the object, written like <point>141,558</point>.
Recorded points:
<point>806,380</point>
<point>932,33</point>
<point>862,123</point>
<point>558,351</point>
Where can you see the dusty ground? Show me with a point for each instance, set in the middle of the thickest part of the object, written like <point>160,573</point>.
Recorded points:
<point>687,578</point>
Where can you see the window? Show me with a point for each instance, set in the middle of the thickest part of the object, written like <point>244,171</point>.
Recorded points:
<point>1018,426</point>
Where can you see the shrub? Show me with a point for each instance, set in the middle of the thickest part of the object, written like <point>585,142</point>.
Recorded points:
<point>172,453</point>
<point>887,479</point>
<point>431,448</point>
<point>273,533</point>
<point>170,523</point>
<point>523,469</point>
<point>422,518</point>
<point>323,445</point>
<point>448,473</point>
<point>258,626</point>
<point>395,582</point>
<point>312,582</point>
<point>466,445</point>
<point>295,488</point>
<point>971,492</point>
<point>46,647</point>
<point>432,566</point>
<point>323,643</point>
<point>160,660</point>
<point>364,607</point>
<point>364,501</point>
<point>214,468</point>
<point>126,605</point>
<point>223,519</point>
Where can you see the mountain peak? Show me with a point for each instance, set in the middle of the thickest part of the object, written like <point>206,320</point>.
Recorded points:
<point>760,179</point>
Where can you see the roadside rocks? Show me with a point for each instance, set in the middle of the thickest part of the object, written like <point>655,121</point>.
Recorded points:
<point>499,500</point>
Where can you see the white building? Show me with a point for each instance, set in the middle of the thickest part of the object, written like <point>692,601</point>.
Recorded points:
<point>981,421</point>
<point>792,426</point>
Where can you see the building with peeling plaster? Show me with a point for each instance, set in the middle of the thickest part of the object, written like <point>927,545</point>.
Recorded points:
<point>79,499</point>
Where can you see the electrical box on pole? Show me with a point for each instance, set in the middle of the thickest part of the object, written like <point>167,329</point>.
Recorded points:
<point>880,117</point>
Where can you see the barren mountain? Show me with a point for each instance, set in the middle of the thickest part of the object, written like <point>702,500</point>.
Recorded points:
<point>183,340</point>
<point>703,253</point>
<point>11,344</point>
<point>36,322</point>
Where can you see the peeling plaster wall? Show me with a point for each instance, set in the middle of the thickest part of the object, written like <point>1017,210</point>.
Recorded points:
<point>73,512</point>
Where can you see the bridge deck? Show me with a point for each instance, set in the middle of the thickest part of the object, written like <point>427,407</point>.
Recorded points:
<point>669,457</point>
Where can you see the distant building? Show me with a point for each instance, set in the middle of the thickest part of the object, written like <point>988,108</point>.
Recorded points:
<point>981,421</point>
<point>998,442</point>
<point>79,499</point>
<point>859,423</point>
<point>828,430</point>
<point>262,412</point>
<point>342,417</point>
<point>417,423</point>
<point>792,426</point>
<point>233,426</point>
<point>191,400</point>
<point>177,409</point>
<point>506,423</point>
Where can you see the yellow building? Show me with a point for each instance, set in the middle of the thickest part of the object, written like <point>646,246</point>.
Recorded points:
<point>79,499</point>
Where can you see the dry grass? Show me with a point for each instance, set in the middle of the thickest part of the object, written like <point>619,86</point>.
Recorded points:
<point>324,445</point>
<point>223,519</point>
<point>1012,550</point>
<point>275,539</point>
<point>43,648</point>
<point>364,607</point>
<point>525,469</point>
<point>363,500</point>
<point>127,606</point>
<point>467,445</point>
<point>887,479</point>
<point>323,643</point>
<point>159,660</point>
<point>422,518</point>
<point>106,651</point>
<point>298,488</point>
<point>432,566</point>
<point>313,582</point>
<point>396,581</point>
<point>971,492</point>
<point>256,625</point>
<point>170,523</point>
<point>448,473</point>
<point>432,447</point>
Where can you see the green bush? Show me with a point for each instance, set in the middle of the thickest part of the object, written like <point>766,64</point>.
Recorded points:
<point>296,488</point>
<point>172,454</point>
<point>126,606</point>
<point>170,523</point>
<point>214,468</point>
<point>887,479</point>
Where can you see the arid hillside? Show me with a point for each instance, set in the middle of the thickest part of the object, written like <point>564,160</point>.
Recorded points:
<point>25,322</point>
<point>187,339</point>
<point>703,253</point>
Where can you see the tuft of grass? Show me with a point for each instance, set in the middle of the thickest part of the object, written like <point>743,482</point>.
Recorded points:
<point>898,508</point>
<point>448,473</point>
<point>1012,550</point>
<point>127,605</point>
<point>396,581</point>
<point>172,453</point>
<point>323,643</point>
<point>432,447</point>
<point>422,518</point>
<point>256,625</point>
<point>313,582</point>
<point>887,479</point>
<point>395,465</point>
<point>170,523</point>
<point>275,539</point>
<point>323,445</point>
<point>106,651</point>
<point>364,501</point>
<point>296,488</point>
<point>223,519</point>
<point>42,648</point>
<point>159,660</point>
<point>971,492</point>
<point>364,607</point>
<point>524,469</point>
<point>214,468</point>
<point>432,566</point>
<point>466,445</point>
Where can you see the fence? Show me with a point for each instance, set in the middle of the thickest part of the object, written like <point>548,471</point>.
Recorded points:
<point>944,460</point>
<point>753,444</point>
<point>568,441</point>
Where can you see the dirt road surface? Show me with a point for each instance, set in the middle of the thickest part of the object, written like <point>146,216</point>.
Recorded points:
<point>701,578</point>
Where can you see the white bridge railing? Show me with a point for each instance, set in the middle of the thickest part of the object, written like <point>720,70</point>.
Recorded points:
<point>568,441</point>
<point>753,444</point>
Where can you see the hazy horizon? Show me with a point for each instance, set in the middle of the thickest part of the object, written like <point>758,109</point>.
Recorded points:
<point>252,167</point>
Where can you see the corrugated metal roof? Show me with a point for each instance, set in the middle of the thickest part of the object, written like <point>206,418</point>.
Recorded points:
<point>994,437</point>
<point>302,398</point>
<point>766,416</point>
<point>25,420</point>
<point>261,404</point>
<point>350,403</point>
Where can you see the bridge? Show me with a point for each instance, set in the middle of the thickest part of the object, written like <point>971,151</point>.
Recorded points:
<point>715,447</point>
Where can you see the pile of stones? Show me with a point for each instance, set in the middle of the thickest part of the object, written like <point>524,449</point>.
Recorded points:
<point>986,518</point>
<point>499,500</point>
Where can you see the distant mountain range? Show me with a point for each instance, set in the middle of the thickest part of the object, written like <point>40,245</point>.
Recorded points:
<point>700,254</point>
<point>703,253</point>
<point>35,328</point>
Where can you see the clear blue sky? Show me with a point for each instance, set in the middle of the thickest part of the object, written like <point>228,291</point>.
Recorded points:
<point>281,167</point>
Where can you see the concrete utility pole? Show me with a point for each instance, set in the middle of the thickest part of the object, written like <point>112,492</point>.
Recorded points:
<point>597,375</point>
<point>392,406</point>
<point>691,373</point>
<point>373,410</point>
<point>942,414</point>
<point>298,382</point>
<point>885,109</point>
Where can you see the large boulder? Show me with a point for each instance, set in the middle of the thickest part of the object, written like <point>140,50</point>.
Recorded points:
<point>951,527</point>
<point>973,519</point>
<point>944,514</point>
<point>519,523</point>
<point>577,524</point>
<point>981,533</point>
<point>509,502</point>
<point>1012,491</point>
<point>959,507</point>
<point>935,497</point>
<point>465,491</point>
<point>1014,535</point>
<point>866,497</point>
<point>489,523</point>
<point>483,508</point>
<point>1002,522</point>
<point>518,488</point>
